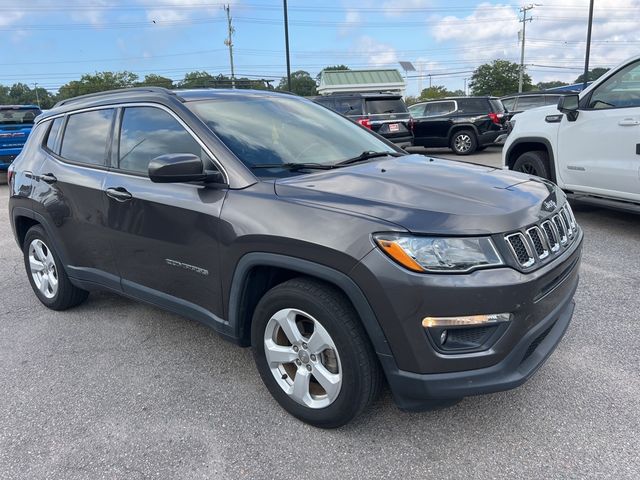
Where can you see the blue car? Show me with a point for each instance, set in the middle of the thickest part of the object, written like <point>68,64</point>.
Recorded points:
<point>16,122</point>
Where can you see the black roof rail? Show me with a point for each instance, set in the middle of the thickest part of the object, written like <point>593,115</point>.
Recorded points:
<point>163,90</point>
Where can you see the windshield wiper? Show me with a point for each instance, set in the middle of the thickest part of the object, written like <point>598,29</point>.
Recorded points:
<point>294,166</point>
<point>367,155</point>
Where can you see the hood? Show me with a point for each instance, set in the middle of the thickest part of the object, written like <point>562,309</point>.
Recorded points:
<point>429,195</point>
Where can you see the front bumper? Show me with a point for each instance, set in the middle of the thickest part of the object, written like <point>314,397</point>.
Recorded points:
<point>541,302</point>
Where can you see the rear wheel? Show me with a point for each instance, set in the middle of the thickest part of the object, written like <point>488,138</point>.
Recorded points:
<point>46,274</point>
<point>533,163</point>
<point>464,142</point>
<point>312,353</point>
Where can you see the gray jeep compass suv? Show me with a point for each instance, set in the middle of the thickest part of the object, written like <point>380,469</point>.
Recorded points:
<point>340,259</point>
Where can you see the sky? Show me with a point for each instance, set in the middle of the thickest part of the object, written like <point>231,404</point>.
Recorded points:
<point>50,42</point>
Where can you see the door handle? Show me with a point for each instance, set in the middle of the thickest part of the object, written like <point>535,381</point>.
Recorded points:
<point>628,122</point>
<point>49,178</point>
<point>119,194</point>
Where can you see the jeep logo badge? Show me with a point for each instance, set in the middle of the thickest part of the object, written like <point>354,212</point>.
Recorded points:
<point>549,205</point>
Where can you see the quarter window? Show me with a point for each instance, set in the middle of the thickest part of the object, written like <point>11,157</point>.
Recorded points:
<point>148,132</point>
<point>53,133</point>
<point>86,137</point>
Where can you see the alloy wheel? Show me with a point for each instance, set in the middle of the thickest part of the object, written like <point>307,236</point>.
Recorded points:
<point>462,143</point>
<point>43,268</point>
<point>303,358</point>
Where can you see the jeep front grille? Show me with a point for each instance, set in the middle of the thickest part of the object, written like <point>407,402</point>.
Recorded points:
<point>548,238</point>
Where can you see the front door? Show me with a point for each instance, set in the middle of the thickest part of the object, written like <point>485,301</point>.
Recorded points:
<point>165,236</point>
<point>599,152</point>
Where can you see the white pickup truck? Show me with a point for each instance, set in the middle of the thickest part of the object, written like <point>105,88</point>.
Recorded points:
<point>589,144</point>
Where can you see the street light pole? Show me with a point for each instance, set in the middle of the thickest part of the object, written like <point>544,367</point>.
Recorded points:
<point>286,42</point>
<point>586,58</point>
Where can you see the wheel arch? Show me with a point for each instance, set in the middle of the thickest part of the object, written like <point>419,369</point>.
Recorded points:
<point>23,219</point>
<point>257,272</point>
<point>531,144</point>
<point>461,126</point>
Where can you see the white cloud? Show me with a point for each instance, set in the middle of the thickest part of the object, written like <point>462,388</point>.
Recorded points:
<point>556,36</point>
<point>377,54</point>
<point>92,16</point>
<point>182,9</point>
<point>9,18</point>
<point>396,8</point>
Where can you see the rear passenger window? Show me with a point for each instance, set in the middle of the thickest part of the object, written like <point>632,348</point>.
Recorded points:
<point>53,134</point>
<point>86,137</point>
<point>473,105</point>
<point>148,132</point>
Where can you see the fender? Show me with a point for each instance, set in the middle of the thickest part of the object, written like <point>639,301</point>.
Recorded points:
<point>25,212</point>
<point>339,279</point>
<point>542,140</point>
<point>461,126</point>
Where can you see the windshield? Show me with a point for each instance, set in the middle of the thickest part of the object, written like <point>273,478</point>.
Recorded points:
<point>18,116</point>
<point>279,130</point>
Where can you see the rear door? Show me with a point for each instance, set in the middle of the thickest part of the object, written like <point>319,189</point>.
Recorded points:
<point>432,129</point>
<point>165,235</point>
<point>69,192</point>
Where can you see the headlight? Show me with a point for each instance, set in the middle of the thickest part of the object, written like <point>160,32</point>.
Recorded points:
<point>437,254</point>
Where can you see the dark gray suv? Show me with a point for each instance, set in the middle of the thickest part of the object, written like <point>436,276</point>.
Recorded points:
<point>340,259</point>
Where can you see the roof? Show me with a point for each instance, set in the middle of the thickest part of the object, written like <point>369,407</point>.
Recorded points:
<point>360,80</point>
<point>360,95</point>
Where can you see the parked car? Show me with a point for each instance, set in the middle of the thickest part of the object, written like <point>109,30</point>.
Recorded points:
<point>338,257</point>
<point>384,113</point>
<point>464,124</point>
<point>589,143</point>
<point>16,122</point>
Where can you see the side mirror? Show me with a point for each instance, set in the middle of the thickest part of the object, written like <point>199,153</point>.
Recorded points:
<point>181,167</point>
<point>569,105</point>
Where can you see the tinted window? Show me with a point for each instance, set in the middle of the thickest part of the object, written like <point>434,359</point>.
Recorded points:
<point>271,130</point>
<point>149,132</point>
<point>509,103</point>
<point>53,133</point>
<point>551,99</point>
<point>473,105</point>
<point>417,110</point>
<point>620,90</point>
<point>439,108</point>
<point>86,136</point>
<point>387,105</point>
<point>18,116</point>
<point>496,106</point>
<point>530,101</point>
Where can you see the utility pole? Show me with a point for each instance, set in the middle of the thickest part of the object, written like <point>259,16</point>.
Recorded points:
<point>229,43</point>
<point>524,21</point>
<point>286,43</point>
<point>586,58</point>
<point>35,87</point>
<point>465,87</point>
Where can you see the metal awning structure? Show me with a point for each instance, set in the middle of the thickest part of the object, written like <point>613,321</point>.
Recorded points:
<point>338,81</point>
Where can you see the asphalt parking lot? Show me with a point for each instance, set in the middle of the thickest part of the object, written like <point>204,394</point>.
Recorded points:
<point>117,389</point>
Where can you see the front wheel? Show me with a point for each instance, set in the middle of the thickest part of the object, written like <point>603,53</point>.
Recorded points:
<point>533,163</point>
<point>312,353</point>
<point>464,142</point>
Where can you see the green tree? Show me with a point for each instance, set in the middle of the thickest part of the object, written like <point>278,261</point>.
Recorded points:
<point>498,78</point>
<point>154,80</point>
<point>551,84</point>
<point>301,84</point>
<point>21,94</point>
<point>592,75</point>
<point>197,79</point>
<point>439,91</point>
<point>97,82</point>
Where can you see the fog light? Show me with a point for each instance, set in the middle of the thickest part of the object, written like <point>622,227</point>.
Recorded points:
<point>463,321</point>
<point>443,337</point>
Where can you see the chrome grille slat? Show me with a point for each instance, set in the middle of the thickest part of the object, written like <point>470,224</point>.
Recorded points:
<point>546,239</point>
<point>520,249</point>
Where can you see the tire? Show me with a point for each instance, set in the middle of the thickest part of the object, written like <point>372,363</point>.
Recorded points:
<point>328,343</point>
<point>464,142</point>
<point>46,273</point>
<point>533,163</point>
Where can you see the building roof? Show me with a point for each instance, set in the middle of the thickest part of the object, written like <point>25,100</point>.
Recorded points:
<point>360,80</point>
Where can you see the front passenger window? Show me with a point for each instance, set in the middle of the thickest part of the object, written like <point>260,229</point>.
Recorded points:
<point>148,132</point>
<point>621,90</point>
